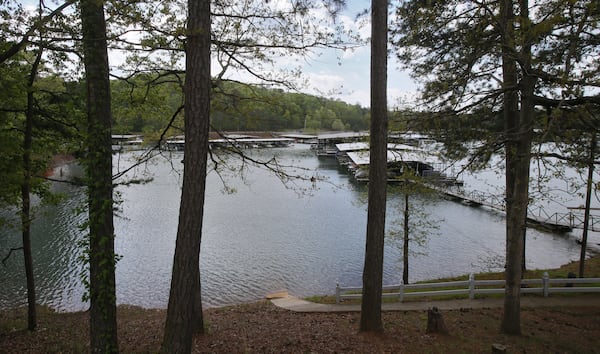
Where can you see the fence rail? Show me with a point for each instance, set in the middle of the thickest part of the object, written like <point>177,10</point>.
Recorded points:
<point>472,287</point>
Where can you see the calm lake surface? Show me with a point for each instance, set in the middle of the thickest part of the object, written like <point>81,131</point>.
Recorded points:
<point>265,236</point>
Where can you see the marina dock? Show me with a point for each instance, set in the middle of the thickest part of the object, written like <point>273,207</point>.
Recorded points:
<point>354,154</point>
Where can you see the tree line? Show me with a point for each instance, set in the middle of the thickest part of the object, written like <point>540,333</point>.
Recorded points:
<point>145,103</point>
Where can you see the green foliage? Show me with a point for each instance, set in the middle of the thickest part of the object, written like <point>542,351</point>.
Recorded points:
<point>421,225</point>
<point>55,128</point>
<point>13,88</point>
<point>412,225</point>
<point>145,104</point>
<point>452,48</point>
<point>237,107</point>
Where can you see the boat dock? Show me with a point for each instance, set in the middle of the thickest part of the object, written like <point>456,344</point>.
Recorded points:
<point>355,157</point>
<point>426,163</point>
<point>242,141</point>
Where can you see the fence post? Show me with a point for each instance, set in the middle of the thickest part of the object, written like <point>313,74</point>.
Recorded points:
<point>471,286</point>
<point>401,291</point>
<point>546,283</point>
<point>337,293</point>
<point>571,219</point>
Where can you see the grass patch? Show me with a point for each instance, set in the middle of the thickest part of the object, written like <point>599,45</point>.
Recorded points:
<point>592,270</point>
<point>321,299</point>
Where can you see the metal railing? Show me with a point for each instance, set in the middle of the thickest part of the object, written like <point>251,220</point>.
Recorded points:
<point>570,219</point>
<point>534,213</point>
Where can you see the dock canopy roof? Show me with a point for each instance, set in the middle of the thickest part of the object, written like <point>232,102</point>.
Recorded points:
<point>298,136</point>
<point>251,140</point>
<point>357,146</point>
<point>362,158</point>
<point>343,135</point>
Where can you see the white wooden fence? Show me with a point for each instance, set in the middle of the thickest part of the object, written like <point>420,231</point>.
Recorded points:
<point>472,287</point>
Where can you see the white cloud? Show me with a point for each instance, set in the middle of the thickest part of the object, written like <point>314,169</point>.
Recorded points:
<point>345,74</point>
<point>337,76</point>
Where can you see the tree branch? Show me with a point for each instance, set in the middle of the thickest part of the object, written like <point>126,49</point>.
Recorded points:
<point>9,254</point>
<point>573,102</point>
<point>16,47</point>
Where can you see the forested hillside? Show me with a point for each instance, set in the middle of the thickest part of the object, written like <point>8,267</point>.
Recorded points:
<point>145,104</point>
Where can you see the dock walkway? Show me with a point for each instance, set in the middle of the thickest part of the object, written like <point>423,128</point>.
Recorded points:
<point>556,221</point>
<point>295,304</point>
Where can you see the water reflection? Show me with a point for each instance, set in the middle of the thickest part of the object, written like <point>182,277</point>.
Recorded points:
<point>54,236</point>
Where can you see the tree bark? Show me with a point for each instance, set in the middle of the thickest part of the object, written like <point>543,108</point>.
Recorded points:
<point>588,196</point>
<point>511,318</point>
<point>25,196</point>
<point>519,131</point>
<point>406,239</point>
<point>184,314</point>
<point>370,319</point>
<point>103,315</point>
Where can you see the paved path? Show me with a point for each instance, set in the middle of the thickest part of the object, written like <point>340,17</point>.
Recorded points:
<point>298,305</point>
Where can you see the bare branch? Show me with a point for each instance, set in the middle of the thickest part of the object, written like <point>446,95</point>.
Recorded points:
<point>150,153</point>
<point>9,254</point>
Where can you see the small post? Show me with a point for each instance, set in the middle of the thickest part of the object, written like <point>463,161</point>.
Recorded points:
<point>571,275</point>
<point>401,292</point>
<point>337,293</point>
<point>435,322</point>
<point>471,286</point>
<point>546,283</point>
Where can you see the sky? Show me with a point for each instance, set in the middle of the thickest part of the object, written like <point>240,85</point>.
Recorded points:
<point>348,74</point>
<point>347,78</point>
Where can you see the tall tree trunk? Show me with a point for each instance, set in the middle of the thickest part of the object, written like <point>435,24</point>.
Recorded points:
<point>25,196</point>
<point>406,239</point>
<point>516,221</point>
<point>103,313</point>
<point>184,314</point>
<point>370,319</point>
<point>588,196</point>
<point>519,131</point>
<point>511,319</point>
<point>524,254</point>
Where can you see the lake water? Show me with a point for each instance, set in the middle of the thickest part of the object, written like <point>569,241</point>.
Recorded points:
<point>265,236</point>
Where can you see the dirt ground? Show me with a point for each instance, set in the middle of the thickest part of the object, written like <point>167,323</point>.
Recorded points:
<point>263,328</point>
